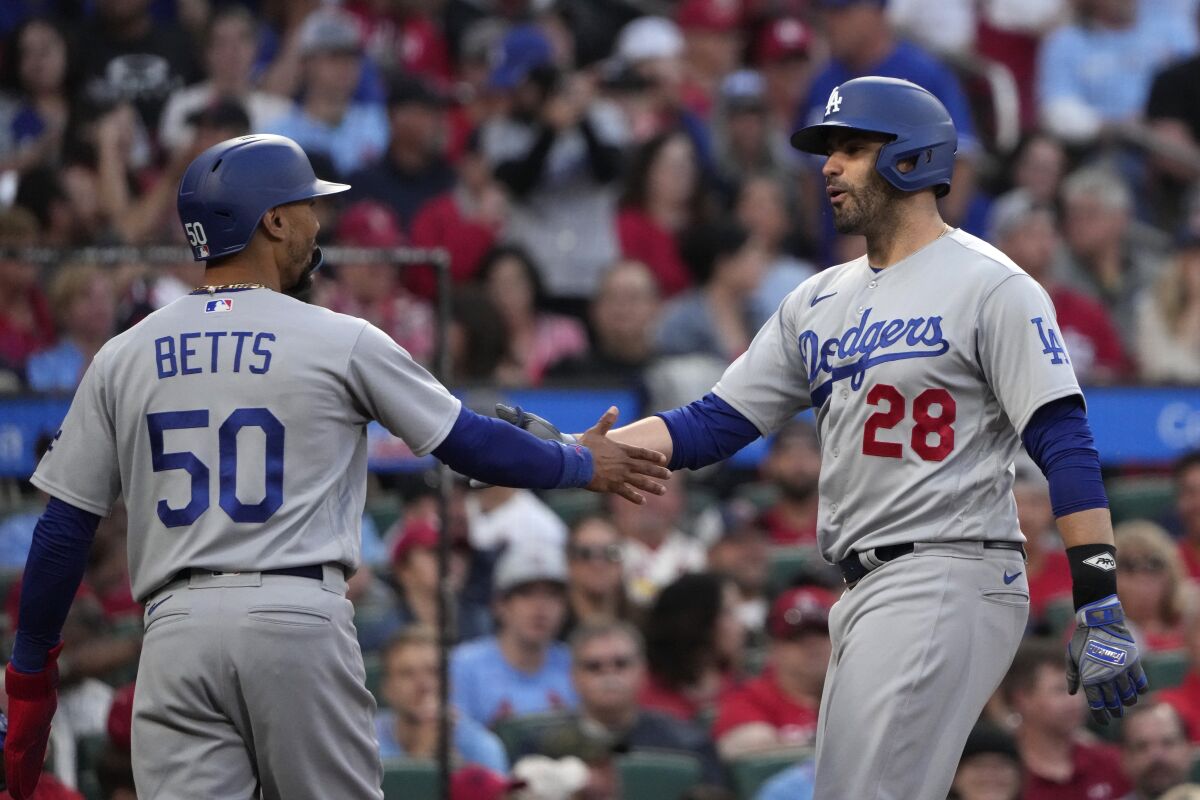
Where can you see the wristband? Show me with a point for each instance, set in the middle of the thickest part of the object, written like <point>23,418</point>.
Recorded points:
<point>1093,572</point>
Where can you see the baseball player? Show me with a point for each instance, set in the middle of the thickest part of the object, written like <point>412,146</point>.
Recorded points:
<point>928,362</point>
<point>234,423</point>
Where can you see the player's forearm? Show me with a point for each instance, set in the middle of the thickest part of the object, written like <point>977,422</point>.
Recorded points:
<point>650,433</point>
<point>1093,526</point>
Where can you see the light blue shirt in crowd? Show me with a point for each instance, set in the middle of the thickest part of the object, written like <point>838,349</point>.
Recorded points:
<point>794,783</point>
<point>487,688</point>
<point>475,743</point>
<point>357,141</point>
<point>57,369</point>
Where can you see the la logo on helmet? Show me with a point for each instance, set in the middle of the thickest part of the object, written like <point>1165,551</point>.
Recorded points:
<point>835,102</point>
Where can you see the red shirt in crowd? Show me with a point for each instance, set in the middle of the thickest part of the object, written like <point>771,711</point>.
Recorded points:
<point>1096,775</point>
<point>404,40</point>
<point>1191,560</point>
<point>1185,698</point>
<point>18,344</point>
<point>658,697</point>
<point>643,239</point>
<point>1051,582</point>
<point>441,223</point>
<point>782,533</point>
<point>1085,319</point>
<point>763,700</point>
<point>49,788</point>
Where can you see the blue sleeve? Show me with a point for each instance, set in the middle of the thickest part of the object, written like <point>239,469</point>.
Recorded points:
<point>705,432</point>
<point>61,541</point>
<point>495,452</point>
<point>1059,441</point>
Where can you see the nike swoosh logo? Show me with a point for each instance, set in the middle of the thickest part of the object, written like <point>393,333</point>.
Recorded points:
<point>150,611</point>
<point>1010,578</point>
<point>816,300</point>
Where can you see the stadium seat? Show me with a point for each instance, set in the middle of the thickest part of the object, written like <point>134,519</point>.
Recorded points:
<point>1165,669</point>
<point>648,775</point>
<point>88,750</point>
<point>411,779</point>
<point>1139,497</point>
<point>516,731</point>
<point>1195,775</point>
<point>751,772</point>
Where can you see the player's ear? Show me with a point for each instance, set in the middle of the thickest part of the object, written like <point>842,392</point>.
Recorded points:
<point>274,223</point>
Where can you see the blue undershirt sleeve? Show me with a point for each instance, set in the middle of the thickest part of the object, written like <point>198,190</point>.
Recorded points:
<point>495,452</point>
<point>706,431</point>
<point>1059,441</point>
<point>53,571</point>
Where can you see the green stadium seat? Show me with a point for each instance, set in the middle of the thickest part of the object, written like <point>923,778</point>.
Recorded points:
<point>1195,774</point>
<point>751,772</point>
<point>411,779</point>
<point>648,775</point>
<point>1165,669</point>
<point>786,563</point>
<point>1060,616</point>
<point>88,750</point>
<point>573,504</point>
<point>1139,497</point>
<point>514,732</point>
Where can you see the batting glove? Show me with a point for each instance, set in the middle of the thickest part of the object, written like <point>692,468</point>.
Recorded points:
<point>539,426</point>
<point>1103,658</point>
<point>32,701</point>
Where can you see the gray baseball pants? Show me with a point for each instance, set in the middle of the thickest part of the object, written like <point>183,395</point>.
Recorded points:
<point>919,645</point>
<point>251,686</point>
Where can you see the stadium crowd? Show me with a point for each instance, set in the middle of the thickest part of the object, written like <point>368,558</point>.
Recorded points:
<point>613,183</point>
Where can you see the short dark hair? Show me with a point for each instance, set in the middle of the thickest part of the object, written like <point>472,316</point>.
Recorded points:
<point>599,630</point>
<point>410,636</point>
<point>492,258</point>
<point>704,247</point>
<point>1141,709</point>
<point>681,628</point>
<point>1033,654</point>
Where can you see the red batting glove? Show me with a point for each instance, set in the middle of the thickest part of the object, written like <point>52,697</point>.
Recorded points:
<point>32,701</point>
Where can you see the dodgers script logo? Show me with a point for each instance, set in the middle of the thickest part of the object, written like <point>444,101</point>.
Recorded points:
<point>917,337</point>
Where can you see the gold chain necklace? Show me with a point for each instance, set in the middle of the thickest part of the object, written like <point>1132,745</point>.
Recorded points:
<point>213,288</point>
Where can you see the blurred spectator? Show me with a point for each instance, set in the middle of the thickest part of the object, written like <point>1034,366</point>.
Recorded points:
<point>779,708</point>
<point>407,727</point>
<point>1038,166</point>
<point>39,80</point>
<point>477,336</point>
<point>415,571</point>
<point>715,318</point>
<point>500,516</point>
<point>652,48</point>
<point>400,35</point>
<point>761,207</point>
<point>1097,69</point>
<point>1027,234</point>
<point>537,339</point>
<point>623,316</point>
<point>1172,116</point>
<point>608,667</point>
<point>656,551</point>
<point>557,150</point>
<point>373,290</point>
<point>1185,698</point>
<point>1107,255</point>
<point>990,767</point>
<point>740,550</point>
<point>114,771</point>
<point>326,120</point>
<point>376,616</point>
<point>1167,313</point>
<point>792,466</point>
<point>81,298</point>
<point>1046,565</point>
<point>49,788</point>
<point>693,646</point>
<point>595,583</point>
<point>132,58</point>
<point>954,33</point>
<point>1154,750</point>
<point>466,221</point>
<point>712,47</point>
<point>1059,763</point>
<point>26,323</point>
<point>1186,525</point>
<point>784,56</point>
<point>522,669</point>
<point>474,782</point>
<point>861,42</point>
<point>414,169</point>
<point>1153,585</point>
<point>793,783</point>
<point>742,130</point>
<point>230,41</point>
<point>662,198</point>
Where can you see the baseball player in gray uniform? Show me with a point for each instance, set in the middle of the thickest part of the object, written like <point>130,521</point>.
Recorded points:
<point>234,423</point>
<point>928,362</point>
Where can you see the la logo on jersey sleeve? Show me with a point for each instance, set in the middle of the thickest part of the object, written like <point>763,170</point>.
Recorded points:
<point>1051,345</point>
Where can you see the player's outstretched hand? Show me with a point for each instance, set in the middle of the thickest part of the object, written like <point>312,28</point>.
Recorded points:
<point>1103,658</point>
<point>621,468</point>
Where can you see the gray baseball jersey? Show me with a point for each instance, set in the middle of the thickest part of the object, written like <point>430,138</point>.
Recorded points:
<point>235,424</point>
<point>922,377</point>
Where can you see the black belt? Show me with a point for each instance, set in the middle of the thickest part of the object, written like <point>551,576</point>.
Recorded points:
<point>314,571</point>
<point>854,571</point>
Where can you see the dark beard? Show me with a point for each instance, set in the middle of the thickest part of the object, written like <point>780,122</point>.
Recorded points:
<point>870,207</point>
<point>302,288</point>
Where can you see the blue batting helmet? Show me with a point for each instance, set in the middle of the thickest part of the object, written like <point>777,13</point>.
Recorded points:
<point>227,189</point>
<point>920,127</point>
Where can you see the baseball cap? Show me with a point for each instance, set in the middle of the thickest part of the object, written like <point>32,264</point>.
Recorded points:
<point>744,90</point>
<point>783,39</point>
<point>520,564</point>
<point>422,534</point>
<point>411,89</point>
<point>799,610</point>
<point>987,737</point>
<point>649,37</point>
<point>718,16</point>
<point>474,782</point>
<point>368,223</point>
<point>330,30</point>
<point>522,50</point>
